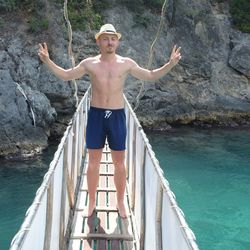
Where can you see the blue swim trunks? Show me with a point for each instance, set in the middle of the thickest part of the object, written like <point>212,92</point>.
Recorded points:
<point>106,123</point>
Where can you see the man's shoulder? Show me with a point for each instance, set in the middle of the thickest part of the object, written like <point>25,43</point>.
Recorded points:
<point>127,60</point>
<point>91,59</point>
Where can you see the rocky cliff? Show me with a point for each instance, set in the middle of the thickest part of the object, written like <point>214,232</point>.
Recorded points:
<point>210,86</point>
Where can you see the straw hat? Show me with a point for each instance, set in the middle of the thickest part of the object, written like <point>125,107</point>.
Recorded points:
<point>107,29</point>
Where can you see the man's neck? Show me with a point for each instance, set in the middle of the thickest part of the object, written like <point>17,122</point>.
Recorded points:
<point>108,57</point>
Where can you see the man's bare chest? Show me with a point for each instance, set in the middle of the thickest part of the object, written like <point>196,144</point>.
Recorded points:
<point>111,73</point>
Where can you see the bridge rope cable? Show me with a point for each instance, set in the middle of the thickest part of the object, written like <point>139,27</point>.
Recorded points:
<point>22,91</point>
<point>70,52</point>
<point>151,53</point>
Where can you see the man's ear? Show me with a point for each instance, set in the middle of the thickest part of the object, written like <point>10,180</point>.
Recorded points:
<point>97,41</point>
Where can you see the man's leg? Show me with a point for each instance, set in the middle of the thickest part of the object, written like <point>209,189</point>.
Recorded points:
<point>95,156</point>
<point>120,180</point>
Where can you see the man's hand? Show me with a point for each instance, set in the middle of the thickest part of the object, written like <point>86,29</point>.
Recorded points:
<point>175,56</point>
<point>43,52</point>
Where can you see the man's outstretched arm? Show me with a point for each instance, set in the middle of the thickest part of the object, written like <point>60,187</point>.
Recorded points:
<point>153,75</point>
<point>63,74</point>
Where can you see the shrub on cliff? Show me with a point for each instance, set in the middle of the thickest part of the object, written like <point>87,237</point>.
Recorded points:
<point>240,11</point>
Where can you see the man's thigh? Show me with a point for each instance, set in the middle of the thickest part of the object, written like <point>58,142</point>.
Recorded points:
<point>118,157</point>
<point>95,156</point>
<point>117,131</point>
<point>95,131</point>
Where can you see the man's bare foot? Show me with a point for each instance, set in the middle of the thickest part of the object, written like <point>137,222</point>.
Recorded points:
<point>122,210</point>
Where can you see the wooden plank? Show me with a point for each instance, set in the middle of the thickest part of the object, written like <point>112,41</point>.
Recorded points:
<point>81,223</point>
<point>102,243</point>
<point>100,189</point>
<point>98,236</point>
<point>98,209</point>
<point>126,225</point>
<point>78,222</point>
<point>105,162</point>
<point>88,229</point>
<point>127,230</point>
<point>104,173</point>
<point>103,168</point>
<point>84,185</point>
<point>77,225</point>
<point>74,153</point>
<point>106,157</point>
<point>159,216</point>
<point>133,168</point>
<point>49,215</point>
<point>82,199</point>
<point>113,225</point>
<point>63,195</point>
<point>70,188</point>
<point>104,229</point>
<point>88,222</point>
<point>111,168</point>
<point>143,208</point>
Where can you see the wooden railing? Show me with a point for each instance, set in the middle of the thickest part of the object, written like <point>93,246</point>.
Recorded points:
<point>47,221</point>
<point>159,221</point>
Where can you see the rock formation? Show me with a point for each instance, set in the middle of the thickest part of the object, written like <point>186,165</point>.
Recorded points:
<point>210,86</point>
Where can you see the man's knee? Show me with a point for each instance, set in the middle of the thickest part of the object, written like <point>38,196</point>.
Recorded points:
<point>119,165</point>
<point>95,156</point>
<point>94,165</point>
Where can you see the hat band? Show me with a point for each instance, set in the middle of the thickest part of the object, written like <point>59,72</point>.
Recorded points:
<point>109,31</point>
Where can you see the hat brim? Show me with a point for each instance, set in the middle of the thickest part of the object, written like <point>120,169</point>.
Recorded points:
<point>97,35</point>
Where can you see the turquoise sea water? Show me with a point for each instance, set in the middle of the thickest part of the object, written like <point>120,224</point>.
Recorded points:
<point>209,172</point>
<point>19,181</point>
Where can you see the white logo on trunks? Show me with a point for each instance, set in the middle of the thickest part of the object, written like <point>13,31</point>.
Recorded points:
<point>108,113</point>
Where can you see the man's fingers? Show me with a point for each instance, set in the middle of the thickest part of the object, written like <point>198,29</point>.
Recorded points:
<point>43,46</point>
<point>40,46</point>
<point>173,50</point>
<point>178,50</point>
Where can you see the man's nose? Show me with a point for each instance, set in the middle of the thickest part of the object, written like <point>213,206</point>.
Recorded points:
<point>110,41</point>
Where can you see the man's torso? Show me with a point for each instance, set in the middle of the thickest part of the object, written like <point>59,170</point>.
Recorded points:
<point>107,79</point>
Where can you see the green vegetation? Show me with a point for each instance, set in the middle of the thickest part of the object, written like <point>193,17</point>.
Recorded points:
<point>240,11</point>
<point>1,23</point>
<point>7,5</point>
<point>38,24</point>
<point>86,14</point>
<point>154,4</point>
<point>142,20</point>
<point>138,7</point>
<point>13,5</point>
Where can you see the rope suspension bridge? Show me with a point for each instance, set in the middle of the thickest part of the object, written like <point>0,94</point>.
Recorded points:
<point>55,220</point>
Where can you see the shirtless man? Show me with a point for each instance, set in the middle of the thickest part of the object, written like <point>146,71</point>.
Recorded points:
<point>107,72</point>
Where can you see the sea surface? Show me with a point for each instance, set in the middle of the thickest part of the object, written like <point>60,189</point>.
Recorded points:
<point>208,170</point>
<point>19,181</point>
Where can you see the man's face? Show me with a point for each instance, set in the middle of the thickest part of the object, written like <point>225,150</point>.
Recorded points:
<point>108,43</point>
